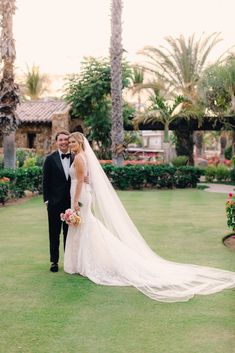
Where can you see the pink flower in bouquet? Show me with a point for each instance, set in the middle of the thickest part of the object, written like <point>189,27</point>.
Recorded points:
<point>71,217</point>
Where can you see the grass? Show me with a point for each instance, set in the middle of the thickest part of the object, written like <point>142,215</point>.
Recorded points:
<point>43,312</point>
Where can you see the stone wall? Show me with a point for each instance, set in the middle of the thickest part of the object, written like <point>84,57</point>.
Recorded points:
<point>42,141</point>
<point>43,134</point>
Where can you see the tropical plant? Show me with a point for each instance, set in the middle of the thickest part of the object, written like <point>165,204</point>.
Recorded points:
<point>137,81</point>
<point>164,112</point>
<point>9,90</point>
<point>180,65</point>
<point>35,83</point>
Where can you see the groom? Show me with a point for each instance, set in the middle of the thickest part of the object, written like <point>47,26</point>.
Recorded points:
<point>56,193</point>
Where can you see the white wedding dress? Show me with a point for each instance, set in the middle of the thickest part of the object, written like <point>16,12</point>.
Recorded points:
<point>108,249</point>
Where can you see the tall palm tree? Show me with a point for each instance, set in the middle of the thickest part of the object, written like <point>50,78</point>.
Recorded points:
<point>116,50</point>
<point>180,64</point>
<point>9,92</point>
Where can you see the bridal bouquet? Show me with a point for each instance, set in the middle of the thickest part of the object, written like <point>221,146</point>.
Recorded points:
<point>230,210</point>
<point>71,217</point>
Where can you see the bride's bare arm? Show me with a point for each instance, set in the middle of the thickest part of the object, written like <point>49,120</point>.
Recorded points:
<point>79,168</point>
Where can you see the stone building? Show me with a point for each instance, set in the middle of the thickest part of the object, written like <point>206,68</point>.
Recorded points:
<point>40,121</point>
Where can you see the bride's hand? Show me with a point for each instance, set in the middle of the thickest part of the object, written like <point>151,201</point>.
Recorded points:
<point>76,207</point>
<point>86,179</point>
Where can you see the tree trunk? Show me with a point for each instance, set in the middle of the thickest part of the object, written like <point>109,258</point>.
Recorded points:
<point>117,132</point>
<point>199,143</point>
<point>166,144</point>
<point>9,91</point>
<point>9,151</point>
<point>184,144</point>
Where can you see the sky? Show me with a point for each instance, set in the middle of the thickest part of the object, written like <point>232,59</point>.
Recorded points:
<point>57,34</point>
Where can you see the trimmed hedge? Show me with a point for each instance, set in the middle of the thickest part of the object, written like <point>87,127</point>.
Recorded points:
<point>23,179</point>
<point>152,176</point>
<point>124,178</point>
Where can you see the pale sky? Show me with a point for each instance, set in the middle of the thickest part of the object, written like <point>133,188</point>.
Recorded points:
<point>57,34</point>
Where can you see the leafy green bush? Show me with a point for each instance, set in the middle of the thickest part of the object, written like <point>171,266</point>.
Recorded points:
<point>4,189</point>
<point>126,177</point>
<point>179,161</point>
<point>29,162</point>
<point>23,179</point>
<point>222,173</point>
<point>232,174</point>
<point>21,155</point>
<point>152,176</point>
<point>210,173</point>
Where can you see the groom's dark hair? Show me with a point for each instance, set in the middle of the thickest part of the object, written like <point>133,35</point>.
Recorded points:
<point>62,132</point>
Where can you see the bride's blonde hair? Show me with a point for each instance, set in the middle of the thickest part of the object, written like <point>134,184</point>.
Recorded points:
<point>79,138</point>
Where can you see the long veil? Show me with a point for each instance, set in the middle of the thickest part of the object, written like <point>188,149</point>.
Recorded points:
<point>157,278</point>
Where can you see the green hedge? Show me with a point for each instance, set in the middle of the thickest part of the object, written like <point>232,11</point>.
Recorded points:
<point>125,178</point>
<point>152,176</point>
<point>23,179</point>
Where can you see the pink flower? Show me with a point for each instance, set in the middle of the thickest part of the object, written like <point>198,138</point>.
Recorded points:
<point>230,194</point>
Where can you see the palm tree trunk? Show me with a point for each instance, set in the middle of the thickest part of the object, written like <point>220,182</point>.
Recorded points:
<point>166,144</point>
<point>9,92</point>
<point>9,150</point>
<point>184,144</point>
<point>117,132</point>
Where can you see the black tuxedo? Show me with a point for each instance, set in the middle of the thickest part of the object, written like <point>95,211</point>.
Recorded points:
<point>56,190</point>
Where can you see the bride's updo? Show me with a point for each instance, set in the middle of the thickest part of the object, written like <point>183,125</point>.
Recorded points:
<point>79,138</point>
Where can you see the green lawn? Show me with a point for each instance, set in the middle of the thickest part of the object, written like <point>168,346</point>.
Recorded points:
<point>43,312</point>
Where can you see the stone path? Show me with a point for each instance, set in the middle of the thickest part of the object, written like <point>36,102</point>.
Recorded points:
<point>219,188</point>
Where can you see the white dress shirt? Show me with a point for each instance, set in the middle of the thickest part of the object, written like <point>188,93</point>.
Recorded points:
<point>65,163</point>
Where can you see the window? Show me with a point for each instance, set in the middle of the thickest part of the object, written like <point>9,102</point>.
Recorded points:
<point>31,140</point>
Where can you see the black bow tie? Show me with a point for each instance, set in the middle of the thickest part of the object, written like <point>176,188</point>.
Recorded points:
<point>65,155</point>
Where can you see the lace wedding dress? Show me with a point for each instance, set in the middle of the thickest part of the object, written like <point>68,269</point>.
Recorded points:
<point>108,249</point>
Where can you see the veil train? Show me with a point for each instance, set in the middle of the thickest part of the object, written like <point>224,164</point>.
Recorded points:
<point>156,277</point>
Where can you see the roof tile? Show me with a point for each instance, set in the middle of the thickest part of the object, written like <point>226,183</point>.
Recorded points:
<point>40,111</point>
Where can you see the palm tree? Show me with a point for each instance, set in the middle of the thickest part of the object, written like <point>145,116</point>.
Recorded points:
<point>180,65</point>
<point>161,110</point>
<point>137,79</point>
<point>9,92</point>
<point>116,50</point>
<point>217,89</point>
<point>35,83</point>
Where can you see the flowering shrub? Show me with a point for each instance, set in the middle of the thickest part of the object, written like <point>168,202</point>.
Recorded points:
<point>4,189</point>
<point>230,211</point>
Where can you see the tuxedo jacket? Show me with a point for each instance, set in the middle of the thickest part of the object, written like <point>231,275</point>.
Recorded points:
<point>56,188</point>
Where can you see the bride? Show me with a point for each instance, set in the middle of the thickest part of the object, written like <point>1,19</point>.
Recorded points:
<point>108,249</point>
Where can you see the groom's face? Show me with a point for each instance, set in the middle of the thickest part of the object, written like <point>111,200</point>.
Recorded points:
<point>62,143</point>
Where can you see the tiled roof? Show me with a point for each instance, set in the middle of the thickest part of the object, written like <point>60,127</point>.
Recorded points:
<point>40,111</point>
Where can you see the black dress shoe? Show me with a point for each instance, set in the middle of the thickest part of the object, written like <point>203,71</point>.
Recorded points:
<point>54,267</point>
